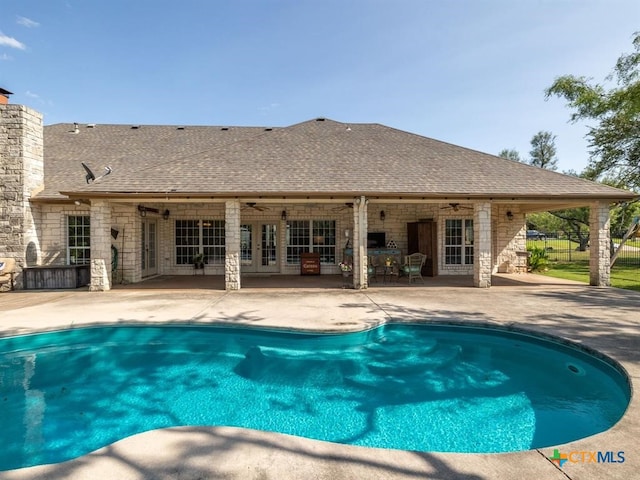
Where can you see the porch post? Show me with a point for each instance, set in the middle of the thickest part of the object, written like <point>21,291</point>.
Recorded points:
<point>360,243</point>
<point>100,246</point>
<point>599,245</point>
<point>481,245</point>
<point>232,245</point>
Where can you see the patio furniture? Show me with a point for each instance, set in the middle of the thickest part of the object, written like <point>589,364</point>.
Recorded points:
<point>413,264</point>
<point>372,267</point>
<point>7,272</point>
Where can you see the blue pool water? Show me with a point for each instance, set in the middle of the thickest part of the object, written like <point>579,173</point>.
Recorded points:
<point>413,387</point>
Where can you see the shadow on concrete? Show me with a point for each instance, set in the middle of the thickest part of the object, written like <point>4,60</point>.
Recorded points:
<point>230,453</point>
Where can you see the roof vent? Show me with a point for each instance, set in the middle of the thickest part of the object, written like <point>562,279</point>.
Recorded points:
<point>320,119</point>
<point>179,128</point>
<point>268,129</point>
<point>224,129</point>
<point>135,127</point>
<point>91,125</point>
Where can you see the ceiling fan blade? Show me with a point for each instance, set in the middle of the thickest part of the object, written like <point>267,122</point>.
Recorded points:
<point>254,206</point>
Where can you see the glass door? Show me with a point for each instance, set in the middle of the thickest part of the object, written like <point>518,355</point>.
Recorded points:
<point>268,247</point>
<point>259,248</point>
<point>149,248</point>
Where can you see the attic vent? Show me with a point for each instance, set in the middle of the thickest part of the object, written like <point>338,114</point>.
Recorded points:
<point>320,119</point>
<point>224,129</point>
<point>91,125</point>
<point>179,128</point>
<point>268,129</point>
<point>135,127</point>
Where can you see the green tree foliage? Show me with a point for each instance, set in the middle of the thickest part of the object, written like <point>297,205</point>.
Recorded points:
<point>543,151</point>
<point>622,216</point>
<point>545,222</point>
<point>614,141</point>
<point>576,223</point>
<point>510,154</point>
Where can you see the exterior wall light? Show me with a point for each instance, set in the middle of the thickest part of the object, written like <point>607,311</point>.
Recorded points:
<point>509,215</point>
<point>166,214</point>
<point>283,216</point>
<point>382,215</point>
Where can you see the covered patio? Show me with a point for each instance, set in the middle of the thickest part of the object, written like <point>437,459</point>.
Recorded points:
<point>331,282</point>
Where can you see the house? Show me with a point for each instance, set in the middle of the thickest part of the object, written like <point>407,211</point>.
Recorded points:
<point>126,202</point>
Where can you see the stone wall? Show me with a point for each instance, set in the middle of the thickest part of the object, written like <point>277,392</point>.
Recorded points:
<point>509,239</point>
<point>21,176</point>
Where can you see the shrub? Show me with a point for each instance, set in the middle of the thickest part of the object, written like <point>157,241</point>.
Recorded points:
<point>538,259</point>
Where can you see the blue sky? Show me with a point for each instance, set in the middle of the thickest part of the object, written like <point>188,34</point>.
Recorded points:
<point>469,72</point>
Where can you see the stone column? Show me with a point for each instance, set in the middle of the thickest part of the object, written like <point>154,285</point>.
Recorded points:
<point>232,245</point>
<point>360,243</point>
<point>482,245</point>
<point>100,246</point>
<point>599,245</point>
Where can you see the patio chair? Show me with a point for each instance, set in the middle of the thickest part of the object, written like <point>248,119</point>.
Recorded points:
<point>372,267</point>
<point>412,267</point>
<point>7,271</point>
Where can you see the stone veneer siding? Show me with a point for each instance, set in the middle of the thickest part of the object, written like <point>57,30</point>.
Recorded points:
<point>100,246</point>
<point>359,243</point>
<point>599,245</point>
<point>21,176</point>
<point>232,245</point>
<point>510,240</point>
<point>482,266</point>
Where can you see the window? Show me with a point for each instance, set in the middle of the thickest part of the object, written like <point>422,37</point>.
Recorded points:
<point>311,236</point>
<point>78,239</point>
<point>200,236</point>
<point>458,242</point>
<point>324,240</point>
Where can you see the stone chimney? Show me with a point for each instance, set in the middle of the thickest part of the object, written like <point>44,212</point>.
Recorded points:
<point>4,96</point>
<point>21,176</point>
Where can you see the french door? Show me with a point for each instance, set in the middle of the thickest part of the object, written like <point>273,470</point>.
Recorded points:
<point>259,248</point>
<point>149,247</point>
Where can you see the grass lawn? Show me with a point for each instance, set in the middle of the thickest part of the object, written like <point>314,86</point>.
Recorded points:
<point>560,250</point>
<point>622,276</point>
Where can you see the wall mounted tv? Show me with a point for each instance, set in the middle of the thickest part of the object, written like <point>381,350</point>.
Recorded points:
<point>376,240</point>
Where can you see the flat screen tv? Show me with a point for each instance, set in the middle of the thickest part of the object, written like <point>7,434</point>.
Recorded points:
<point>376,240</point>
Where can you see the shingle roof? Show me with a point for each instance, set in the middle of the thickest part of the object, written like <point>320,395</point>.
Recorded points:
<point>319,156</point>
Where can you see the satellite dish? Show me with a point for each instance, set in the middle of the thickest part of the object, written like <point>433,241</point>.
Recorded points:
<point>90,177</point>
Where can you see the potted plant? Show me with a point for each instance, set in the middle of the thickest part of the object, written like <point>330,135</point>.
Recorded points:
<point>345,268</point>
<point>198,261</point>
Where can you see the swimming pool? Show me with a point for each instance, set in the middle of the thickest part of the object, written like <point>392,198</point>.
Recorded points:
<point>447,388</point>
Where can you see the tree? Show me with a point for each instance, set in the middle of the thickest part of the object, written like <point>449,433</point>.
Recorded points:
<point>576,224</point>
<point>510,154</point>
<point>543,151</point>
<point>614,141</point>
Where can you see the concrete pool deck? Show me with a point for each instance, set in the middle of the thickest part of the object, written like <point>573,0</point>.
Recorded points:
<point>606,319</point>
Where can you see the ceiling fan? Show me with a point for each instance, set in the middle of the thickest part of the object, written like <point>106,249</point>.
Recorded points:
<point>456,206</point>
<point>340,208</point>
<point>254,206</point>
